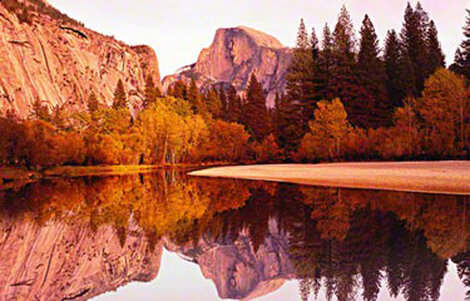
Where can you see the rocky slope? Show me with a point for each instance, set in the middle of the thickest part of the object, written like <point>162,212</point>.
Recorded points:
<point>234,55</point>
<point>60,64</point>
<point>65,261</point>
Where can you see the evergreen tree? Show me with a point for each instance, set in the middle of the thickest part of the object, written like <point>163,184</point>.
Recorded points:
<point>286,127</point>
<point>323,77</point>
<point>300,86</point>
<point>179,90</point>
<point>392,70</point>
<point>344,81</point>
<point>151,93</point>
<point>194,97</point>
<point>223,102</point>
<point>413,37</point>
<point>234,105</point>
<point>436,58</point>
<point>213,103</point>
<point>93,103</point>
<point>255,116</point>
<point>370,105</point>
<point>120,97</point>
<point>462,56</point>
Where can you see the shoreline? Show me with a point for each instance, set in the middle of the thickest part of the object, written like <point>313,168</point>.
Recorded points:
<point>439,177</point>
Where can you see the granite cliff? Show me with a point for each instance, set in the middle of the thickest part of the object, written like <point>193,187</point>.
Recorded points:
<point>234,55</point>
<point>70,261</point>
<point>46,56</point>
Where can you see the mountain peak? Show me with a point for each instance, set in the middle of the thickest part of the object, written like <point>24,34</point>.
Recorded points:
<point>261,38</point>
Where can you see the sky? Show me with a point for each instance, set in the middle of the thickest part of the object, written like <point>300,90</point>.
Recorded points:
<point>179,279</point>
<point>178,29</point>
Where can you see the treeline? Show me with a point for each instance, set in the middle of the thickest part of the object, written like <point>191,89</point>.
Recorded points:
<point>24,10</point>
<point>345,102</point>
<point>167,130</point>
<point>350,100</point>
<point>342,102</point>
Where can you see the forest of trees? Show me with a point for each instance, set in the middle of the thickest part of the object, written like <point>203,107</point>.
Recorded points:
<point>346,99</point>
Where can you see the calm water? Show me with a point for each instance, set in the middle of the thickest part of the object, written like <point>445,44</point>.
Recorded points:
<point>166,236</point>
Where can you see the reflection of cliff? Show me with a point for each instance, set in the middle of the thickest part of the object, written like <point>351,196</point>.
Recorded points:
<point>59,261</point>
<point>237,269</point>
<point>78,238</point>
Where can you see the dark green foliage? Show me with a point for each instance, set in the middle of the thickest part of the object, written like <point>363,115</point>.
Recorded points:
<point>392,59</point>
<point>462,56</point>
<point>254,114</point>
<point>371,107</point>
<point>288,121</point>
<point>151,92</point>
<point>436,58</point>
<point>120,97</point>
<point>344,81</point>
<point>234,105</point>
<point>179,90</point>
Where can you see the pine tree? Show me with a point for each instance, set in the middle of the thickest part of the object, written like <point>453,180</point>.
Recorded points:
<point>213,103</point>
<point>223,102</point>
<point>255,116</point>
<point>120,97</point>
<point>462,56</point>
<point>193,97</point>
<point>151,93</point>
<point>344,81</point>
<point>93,103</point>
<point>300,86</point>
<point>323,77</point>
<point>413,38</point>
<point>370,104</point>
<point>392,70</point>
<point>179,90</point>
<point>286,124</point>
<point>436,58</point>
<point>234,106</point>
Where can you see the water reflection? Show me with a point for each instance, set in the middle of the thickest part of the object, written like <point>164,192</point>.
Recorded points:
<point>70,239</point>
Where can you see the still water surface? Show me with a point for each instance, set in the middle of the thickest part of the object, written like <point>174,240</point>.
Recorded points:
<point>166,236</point>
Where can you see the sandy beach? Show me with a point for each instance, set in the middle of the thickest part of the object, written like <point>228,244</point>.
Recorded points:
<point>446,177</point>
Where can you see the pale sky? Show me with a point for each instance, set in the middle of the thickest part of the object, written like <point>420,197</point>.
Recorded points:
<point>178,29</point>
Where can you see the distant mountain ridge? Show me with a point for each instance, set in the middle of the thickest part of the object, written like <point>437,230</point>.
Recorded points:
<point>233,56</point>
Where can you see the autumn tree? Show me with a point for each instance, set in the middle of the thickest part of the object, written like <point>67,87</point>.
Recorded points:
<point>120,96</point>
<point>40,111</point>
<point>327,130</point>
<point>444,108</point>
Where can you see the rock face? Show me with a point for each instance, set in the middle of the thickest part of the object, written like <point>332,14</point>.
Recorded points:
<point>60,64</point>
<point>234,55</point>
<point>60,261</point>
<point>237,269</point>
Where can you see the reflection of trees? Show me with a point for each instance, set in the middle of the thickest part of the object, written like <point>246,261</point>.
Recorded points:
<point>344,240</point>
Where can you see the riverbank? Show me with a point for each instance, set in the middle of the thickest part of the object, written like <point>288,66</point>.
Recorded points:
<point>446,177</point>
<point>11,177</point>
